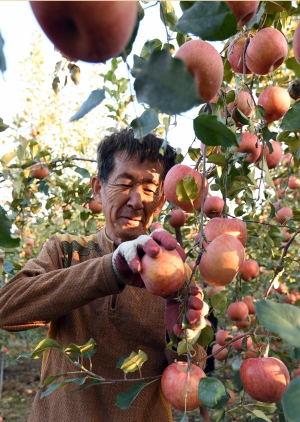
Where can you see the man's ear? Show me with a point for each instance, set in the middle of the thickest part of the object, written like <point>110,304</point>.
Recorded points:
<point>96,188</point>
<point>160,204</point>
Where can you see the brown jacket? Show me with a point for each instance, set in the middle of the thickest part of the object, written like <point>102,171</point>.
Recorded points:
<point>72,284</point>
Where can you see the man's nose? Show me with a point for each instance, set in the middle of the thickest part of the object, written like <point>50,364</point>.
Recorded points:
<point>136,197</point>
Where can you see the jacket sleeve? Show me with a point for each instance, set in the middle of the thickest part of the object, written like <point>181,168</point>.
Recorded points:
<point>44,290</point>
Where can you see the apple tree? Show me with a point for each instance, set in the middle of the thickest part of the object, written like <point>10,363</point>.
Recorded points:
<point>235,210</point>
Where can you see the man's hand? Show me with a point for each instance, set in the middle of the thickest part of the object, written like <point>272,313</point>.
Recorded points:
<point>126,259</point>
<point>193,316</point>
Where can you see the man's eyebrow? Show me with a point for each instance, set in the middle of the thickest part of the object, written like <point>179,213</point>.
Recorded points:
<point>131,177</point>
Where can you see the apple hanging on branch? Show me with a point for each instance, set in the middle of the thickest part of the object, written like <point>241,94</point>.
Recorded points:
<point>92,31</point>
<point>178,383</point>
<point>264,379</point>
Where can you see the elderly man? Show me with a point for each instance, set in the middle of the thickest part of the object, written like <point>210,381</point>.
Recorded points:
<point>90,287</point>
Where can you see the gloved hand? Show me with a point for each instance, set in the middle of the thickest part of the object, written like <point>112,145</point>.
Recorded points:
<point>187,322</point>
<point>126,259</point>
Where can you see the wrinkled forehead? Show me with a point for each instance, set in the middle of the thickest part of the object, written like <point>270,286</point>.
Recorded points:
<point>133,162</point>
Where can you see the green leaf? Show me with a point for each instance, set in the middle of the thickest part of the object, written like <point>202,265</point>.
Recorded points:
<point>157,84</point>
<point>3,126</point>
<point>40,348</point>
<point>138,63</point>
<point>145,123</point>
<point>149,47</point>
<point>6,241</point>
<point>83,172</point>
<point>219,301</point>
<point>208,20</point>
<point>212,132</point>
<point>236,187</point>
<point>134,362</point>
<point>265,407</point>
<point>268,135</point>
<point>280,318</point>
<point>241,117</point>
<point>268,179</point>
<point>94,99</point>
<point>217,159</point>
<point>55,385</point>
<point>167,14</point>
<point>2,57</point>
<point>124,400</point>
<point>291,402</point>
<point>206,336</point>
<point>212,393</point>
<point>6,158</point>
<point>261,415</point>
<point>86,350</point>
<point>256,18</point>
<point>291,120</point>
<point>292,64</point>
<point>187,189</point>
<point>8,267</point>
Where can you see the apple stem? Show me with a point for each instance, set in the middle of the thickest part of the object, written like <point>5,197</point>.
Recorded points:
<point>204,413</point>
<point>178,235</point>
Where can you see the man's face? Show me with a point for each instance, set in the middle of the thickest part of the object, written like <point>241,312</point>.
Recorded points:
<point>130,197</point>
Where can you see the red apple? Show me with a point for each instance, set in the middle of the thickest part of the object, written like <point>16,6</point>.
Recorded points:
<point>286,235</point>
<point>27,251</point>
<point>267,51</point>
<point>282,288</point>
<point>236,55</point>
<point>294,182</point>
<point>92,31</point>
<point>205,63</point>
<point>238,344</point>
<point>282,214</point>
<point>273,158</point>
<point>251,145</point>
<point>243,10</point>
<point>30,242</point>
<point>233,226</point>
<point>213,206</point>
<point>276,102</point>
<point>278,181</point>
<point>290,298</point>
<point>237,311</point>
<point>221,336</point>
<point>244,103</point>
<point>249,302</point>
<point>249,270</point>
<point>173,177</point>
<point>163,274</point>
<point>178,218</point>
<point>222,260</point>
<point>222,354</point>
<point>39,172</point>
<point>244,324</point>
<point>264,379</point>
<point>95,207</point>
<point>177,383</point>
<point>296,43</point>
